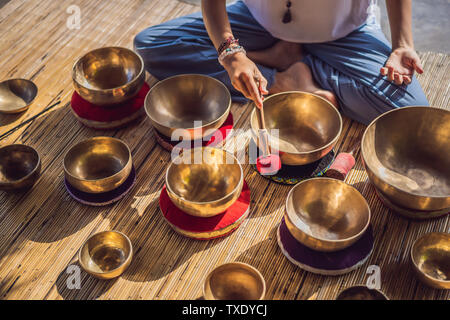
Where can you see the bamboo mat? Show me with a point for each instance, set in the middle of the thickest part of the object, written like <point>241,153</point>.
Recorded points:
<point>42,230</point>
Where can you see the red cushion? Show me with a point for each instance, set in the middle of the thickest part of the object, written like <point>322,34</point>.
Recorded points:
<point>191,223</point>
<point>89,111</point>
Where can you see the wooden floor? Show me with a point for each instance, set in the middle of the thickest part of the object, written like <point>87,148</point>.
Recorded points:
<point>42,230</point>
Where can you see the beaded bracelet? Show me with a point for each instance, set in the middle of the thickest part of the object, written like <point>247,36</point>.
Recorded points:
<point>229,51</point>
<point>227,43</point>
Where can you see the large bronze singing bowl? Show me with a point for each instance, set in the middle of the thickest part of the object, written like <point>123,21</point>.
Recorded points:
<point>326,214</point>
<point>106,255</point>
<point>430,256</point>
<point>98,164</point>
<point>16,95</point>
<point>179,101</point>
<point>20,166</point>
<point>406,154</point>
<point>206,187</point>
<point>234,281</point>
<point>309,126</point>
<point>108,76</point>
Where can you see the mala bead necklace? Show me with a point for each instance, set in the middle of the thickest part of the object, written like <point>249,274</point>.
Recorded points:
<point>287,15</point>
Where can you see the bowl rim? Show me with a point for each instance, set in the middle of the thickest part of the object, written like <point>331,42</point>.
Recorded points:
<point>333,141</point>
<point>161,82</point>
<point>35,168</point>
<point>238,185</point>
<point>413,248</point>
<point>135,79</point>
<point>364,147</point>
<point>66,171</point>
<point>127,260</point>
<point>365,287</point>
<point>29,103</point>
<point>240,264</point>
<point>322,179</point>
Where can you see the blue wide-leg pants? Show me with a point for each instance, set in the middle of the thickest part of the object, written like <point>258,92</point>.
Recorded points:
<point>349,67</point>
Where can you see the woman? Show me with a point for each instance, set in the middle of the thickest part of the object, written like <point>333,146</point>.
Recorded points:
<point>319,46</point>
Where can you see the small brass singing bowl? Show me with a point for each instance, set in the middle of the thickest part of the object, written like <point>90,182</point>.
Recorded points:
<point>188,106</point>
<point>234,281</point>
<point>308,126</point>
<point>204,182</point>
<point>16,95</point>
<point>106,255</point>
<point>326,214</point>
<point>98,164</point>
<point>406,154</point>
<point>20,167</point>
<point>361,293</point>
<point>430,256</point>
<point>108,76</point>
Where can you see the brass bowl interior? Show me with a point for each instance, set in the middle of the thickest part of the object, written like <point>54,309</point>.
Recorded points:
<point>105,252</point>
<point>408,149</point>
<point>216,176</point>
<point>97,158</point>
<point>178,101</point>
<point>361,293</point>
<point>17,162</point>
<point>328,210</point>
<point>16,95</point>
<point>234,281</point>
<point>431,256</point>
<point>107,68</point>
<point>305,121</point>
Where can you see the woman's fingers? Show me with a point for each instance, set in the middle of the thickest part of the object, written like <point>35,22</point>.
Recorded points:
<point>391,73</point>
<point>407,79</point>
<point>384,71</point>
<point>252,88</point>
<point>398,79</point>
<point>418,66</point>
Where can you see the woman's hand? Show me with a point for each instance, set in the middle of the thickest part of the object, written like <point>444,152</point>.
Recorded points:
<point>401,64</point>
<point>246,77</point>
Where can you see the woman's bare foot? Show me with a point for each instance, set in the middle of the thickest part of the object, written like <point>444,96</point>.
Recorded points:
<point>281,55</point>
<point>299,77</point>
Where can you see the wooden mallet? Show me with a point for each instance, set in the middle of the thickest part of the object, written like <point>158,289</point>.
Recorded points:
<point>344,162</point>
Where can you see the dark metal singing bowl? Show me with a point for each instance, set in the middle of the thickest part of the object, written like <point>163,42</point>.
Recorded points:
<point>309,126</point>
<point>20,167</point>
<point>430,255</point>
<point>178,102</point>
<point>16,95</point>
<point>234,281</point>
<point>206,187</point>
<point>406,154</point>
<point>361,293</point>
<point>98,164</point>
<point>108,76</point>
<point>326,214</point>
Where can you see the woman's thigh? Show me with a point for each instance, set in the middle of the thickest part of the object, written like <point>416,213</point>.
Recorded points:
<point>350,67</point>
<point>182,45</point>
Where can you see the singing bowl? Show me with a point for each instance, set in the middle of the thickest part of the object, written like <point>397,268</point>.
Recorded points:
<point>308,126</point>
<point>175,104</point>
<point>108,76</point>
<point>326,214</point>
<point>20,167</point>
<point>204,182</point>
<point>406,154</point>
<point>98,164</point>
<point>106,254</point>
<point>234,281</point>
<point>430,256</point>
<point>361,293</point>
<point>16,95</point>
